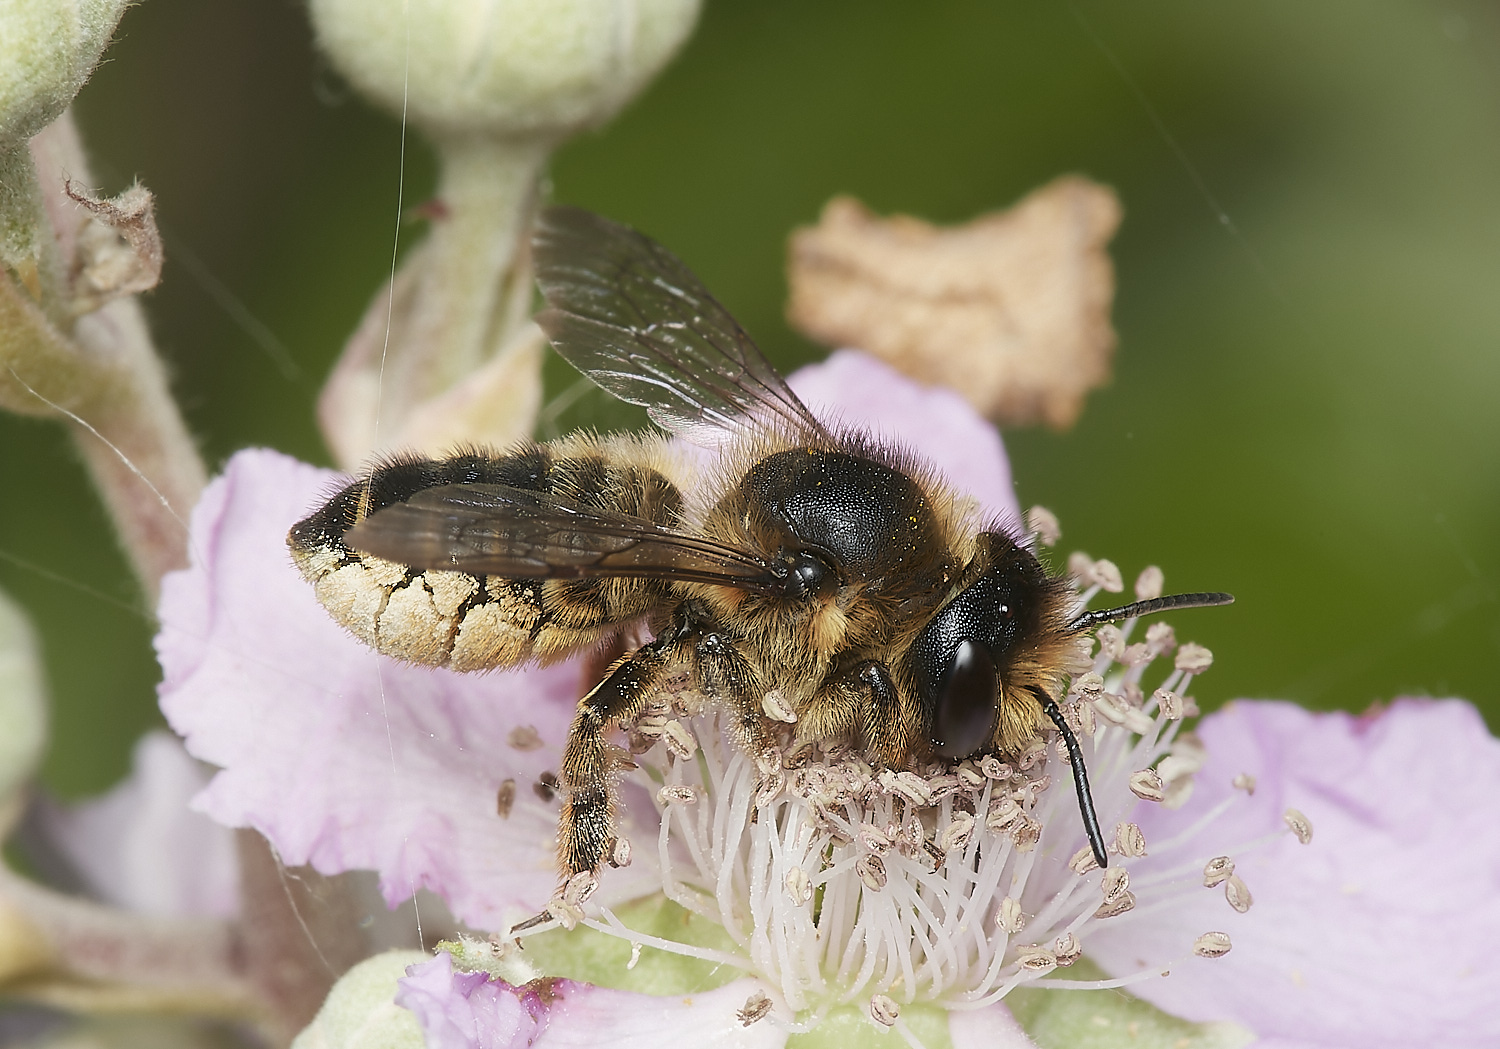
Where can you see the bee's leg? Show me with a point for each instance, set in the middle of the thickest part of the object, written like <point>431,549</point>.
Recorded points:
<point>861,705</point>
<point>586,826</point>
<point>726,674</point>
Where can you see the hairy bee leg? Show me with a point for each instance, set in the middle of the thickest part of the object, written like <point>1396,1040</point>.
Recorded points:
<point>861,705</point>
<point>586,825</point>
<point>1080,778</point>
<point>726,674</point>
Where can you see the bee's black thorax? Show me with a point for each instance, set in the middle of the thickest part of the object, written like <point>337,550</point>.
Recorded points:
<point>872,524</point>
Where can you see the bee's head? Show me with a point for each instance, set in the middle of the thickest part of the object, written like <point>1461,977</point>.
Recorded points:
<point>959,659</point>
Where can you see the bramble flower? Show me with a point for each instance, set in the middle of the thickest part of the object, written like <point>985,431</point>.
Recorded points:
<point>832,896</point>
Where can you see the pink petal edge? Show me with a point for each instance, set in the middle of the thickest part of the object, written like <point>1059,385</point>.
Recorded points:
<point>475,1011</point>
<point>1379,932</point>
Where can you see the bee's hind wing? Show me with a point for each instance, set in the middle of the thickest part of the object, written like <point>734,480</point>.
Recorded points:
<point>627,313</point>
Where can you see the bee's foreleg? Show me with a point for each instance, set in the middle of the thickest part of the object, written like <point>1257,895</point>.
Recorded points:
<point>726,674</point>
<point>861,705</point>
<point>586,826</point>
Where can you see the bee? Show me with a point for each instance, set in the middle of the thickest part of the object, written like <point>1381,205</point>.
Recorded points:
<point>813,564</point>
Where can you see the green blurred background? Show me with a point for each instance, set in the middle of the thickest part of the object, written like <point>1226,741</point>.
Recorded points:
<point>1304,408</point>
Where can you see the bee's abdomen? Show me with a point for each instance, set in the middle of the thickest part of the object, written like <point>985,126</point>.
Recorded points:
<point>472,622</point>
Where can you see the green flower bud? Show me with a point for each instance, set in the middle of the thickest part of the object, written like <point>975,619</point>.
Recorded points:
<point>513,68</point>
<point>361,1009</point>
<point>47,51</point>
<point>23,706</point>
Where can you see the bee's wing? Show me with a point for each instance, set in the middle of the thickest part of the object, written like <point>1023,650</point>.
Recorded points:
<point>628,314</point>
<point>492,529</point>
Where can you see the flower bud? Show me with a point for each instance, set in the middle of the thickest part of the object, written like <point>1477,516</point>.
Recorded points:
<point>23,709</point>
<point>361,1008</point>
<point>47,51</point>
<point>517,68</point>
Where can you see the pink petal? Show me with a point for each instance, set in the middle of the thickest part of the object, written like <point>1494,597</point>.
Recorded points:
<point>1382,931</point>
<point>475,1011</point>
<point>466,1010</point>
<point>933,422</point>
<point>345,759</point>
<point>139,847</point>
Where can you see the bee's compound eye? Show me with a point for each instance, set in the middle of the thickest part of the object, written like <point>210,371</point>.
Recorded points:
<point>967,694</point>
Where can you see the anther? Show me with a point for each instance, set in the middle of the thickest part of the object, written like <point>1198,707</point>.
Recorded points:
<point>1161,638</point>
<point>871,871</point>
<point>1124,902</point>
<point>1116,883</point>
<point>777,708</point>
<point>1194,658</point>
<point>1036,959</point>
<point>679,740</point>
<point>1025,834</point>
<point>1300,825</point>
<point>1043,524</point>
<point>619,852</point>
<point>756,1007</point>
<point>505,798</point>
<point>994,768</point>
<point>1149,583</point>
<point>1009,916</point>
<point>1169,703</point>
<point>1238,893</point>
<point>677,794</point>
<point>1129,840</point>
<point>956,834</point>
<point>1107,575</point>
<point>884,1010</point>
<point>1067,949</point>
<point>1245,782</point>
<point>1212,945</point>
<point>1147,785</point>
<point>1083,861</point>
<point>1217,871</point>
<point>798,886</point>
<point>524,737</point>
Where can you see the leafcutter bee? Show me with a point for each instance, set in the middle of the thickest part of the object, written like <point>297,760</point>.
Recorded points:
<point>809,563</point>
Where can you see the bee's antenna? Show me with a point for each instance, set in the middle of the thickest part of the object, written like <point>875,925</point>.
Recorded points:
<point>1087,620</point>
<point>1080,776</point>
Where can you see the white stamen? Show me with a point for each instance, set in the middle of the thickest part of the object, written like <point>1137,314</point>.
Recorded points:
<point>1245,782</point>
<point>922,875</point>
